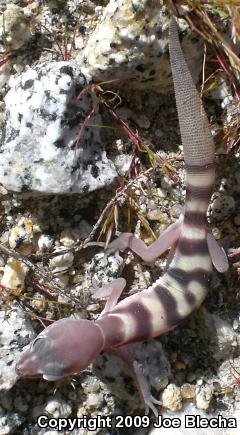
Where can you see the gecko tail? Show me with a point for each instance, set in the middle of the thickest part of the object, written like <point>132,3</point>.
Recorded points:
<point>197,141</point>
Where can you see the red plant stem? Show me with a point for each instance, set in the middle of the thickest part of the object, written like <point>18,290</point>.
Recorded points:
<point>134,137</point>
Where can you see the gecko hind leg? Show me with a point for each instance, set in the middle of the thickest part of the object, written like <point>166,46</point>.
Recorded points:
<point>217,254</point>
<point>149,401</point>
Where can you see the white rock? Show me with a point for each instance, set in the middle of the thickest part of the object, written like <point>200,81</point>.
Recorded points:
<point>41,152</point>
<point>16,27</point>
<point>222,206</point>
<point>61,262</point>
<point>16,332</point>
<point>224,339</point>
<point>171,398</point>
<point>127,43</point>
<point>14,274</point>
<point>58,408</point>
<point>130,43</point>
<point>67,238</point>
<point>122,163</point>
<point>9,422</point>
<point>45,242</point>
<point>203,396</point>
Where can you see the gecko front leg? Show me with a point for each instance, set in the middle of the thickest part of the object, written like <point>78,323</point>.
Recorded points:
<point>112,292</point>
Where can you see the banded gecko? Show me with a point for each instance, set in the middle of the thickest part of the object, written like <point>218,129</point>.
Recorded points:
<point>70,345</point>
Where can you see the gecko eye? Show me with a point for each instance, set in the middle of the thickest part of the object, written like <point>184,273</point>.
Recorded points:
<point>36,343</point>
<point>40,347</point>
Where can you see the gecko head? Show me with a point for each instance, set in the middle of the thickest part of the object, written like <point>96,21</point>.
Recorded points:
<point>64,348</point>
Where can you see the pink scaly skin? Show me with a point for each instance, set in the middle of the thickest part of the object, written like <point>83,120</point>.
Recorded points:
<point>70,345</point>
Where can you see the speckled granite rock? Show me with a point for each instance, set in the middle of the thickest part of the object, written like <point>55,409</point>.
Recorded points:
<point>43,116</point>
<point>41,150</point>
<point>131,43</point>
<point>15,26</point>
<point>127,41</point>
<point>16,333</point>
<point>9,421</point>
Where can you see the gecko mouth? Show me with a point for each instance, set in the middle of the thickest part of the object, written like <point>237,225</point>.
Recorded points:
<point>22,374</point>
<point>28,366</point>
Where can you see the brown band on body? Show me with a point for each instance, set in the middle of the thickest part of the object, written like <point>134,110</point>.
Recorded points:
<point>169,304</point>
<point>188,246</point>
<point>142,320</point>
<point>194,218</point>
<point>190,298</point>
<point>184,278</point>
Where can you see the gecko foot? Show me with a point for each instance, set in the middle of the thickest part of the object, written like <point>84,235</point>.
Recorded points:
<point>147,398</point>
<point>149,403</point>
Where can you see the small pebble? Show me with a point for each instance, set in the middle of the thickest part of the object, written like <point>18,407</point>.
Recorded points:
<point>94,400</point>
<point>141,120</point>
<point>45,242</point>
<point>16,27</point>
<point>235,324</point>
<point>171,398</point>
<point>61,262</point>
<point>203,396</point>
<point>161,193</point>
<point>21,404</point>
<point>21,236</point>
<point>14,274</point>
<point>157,215</point>
<point>216,233</point>
<point>237,219</point>
<point>58,408</point>
<point>6,401</point>
<point>176,210</point>
<point>188,391</point>
<point>180,365</point>
<point>222,206</point>
<point>167,183</point>
<point>67,238</point>
<point>3,191</point>
<point>122,163</point>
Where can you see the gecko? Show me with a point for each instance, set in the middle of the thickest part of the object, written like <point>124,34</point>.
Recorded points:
<point>69,345</point>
